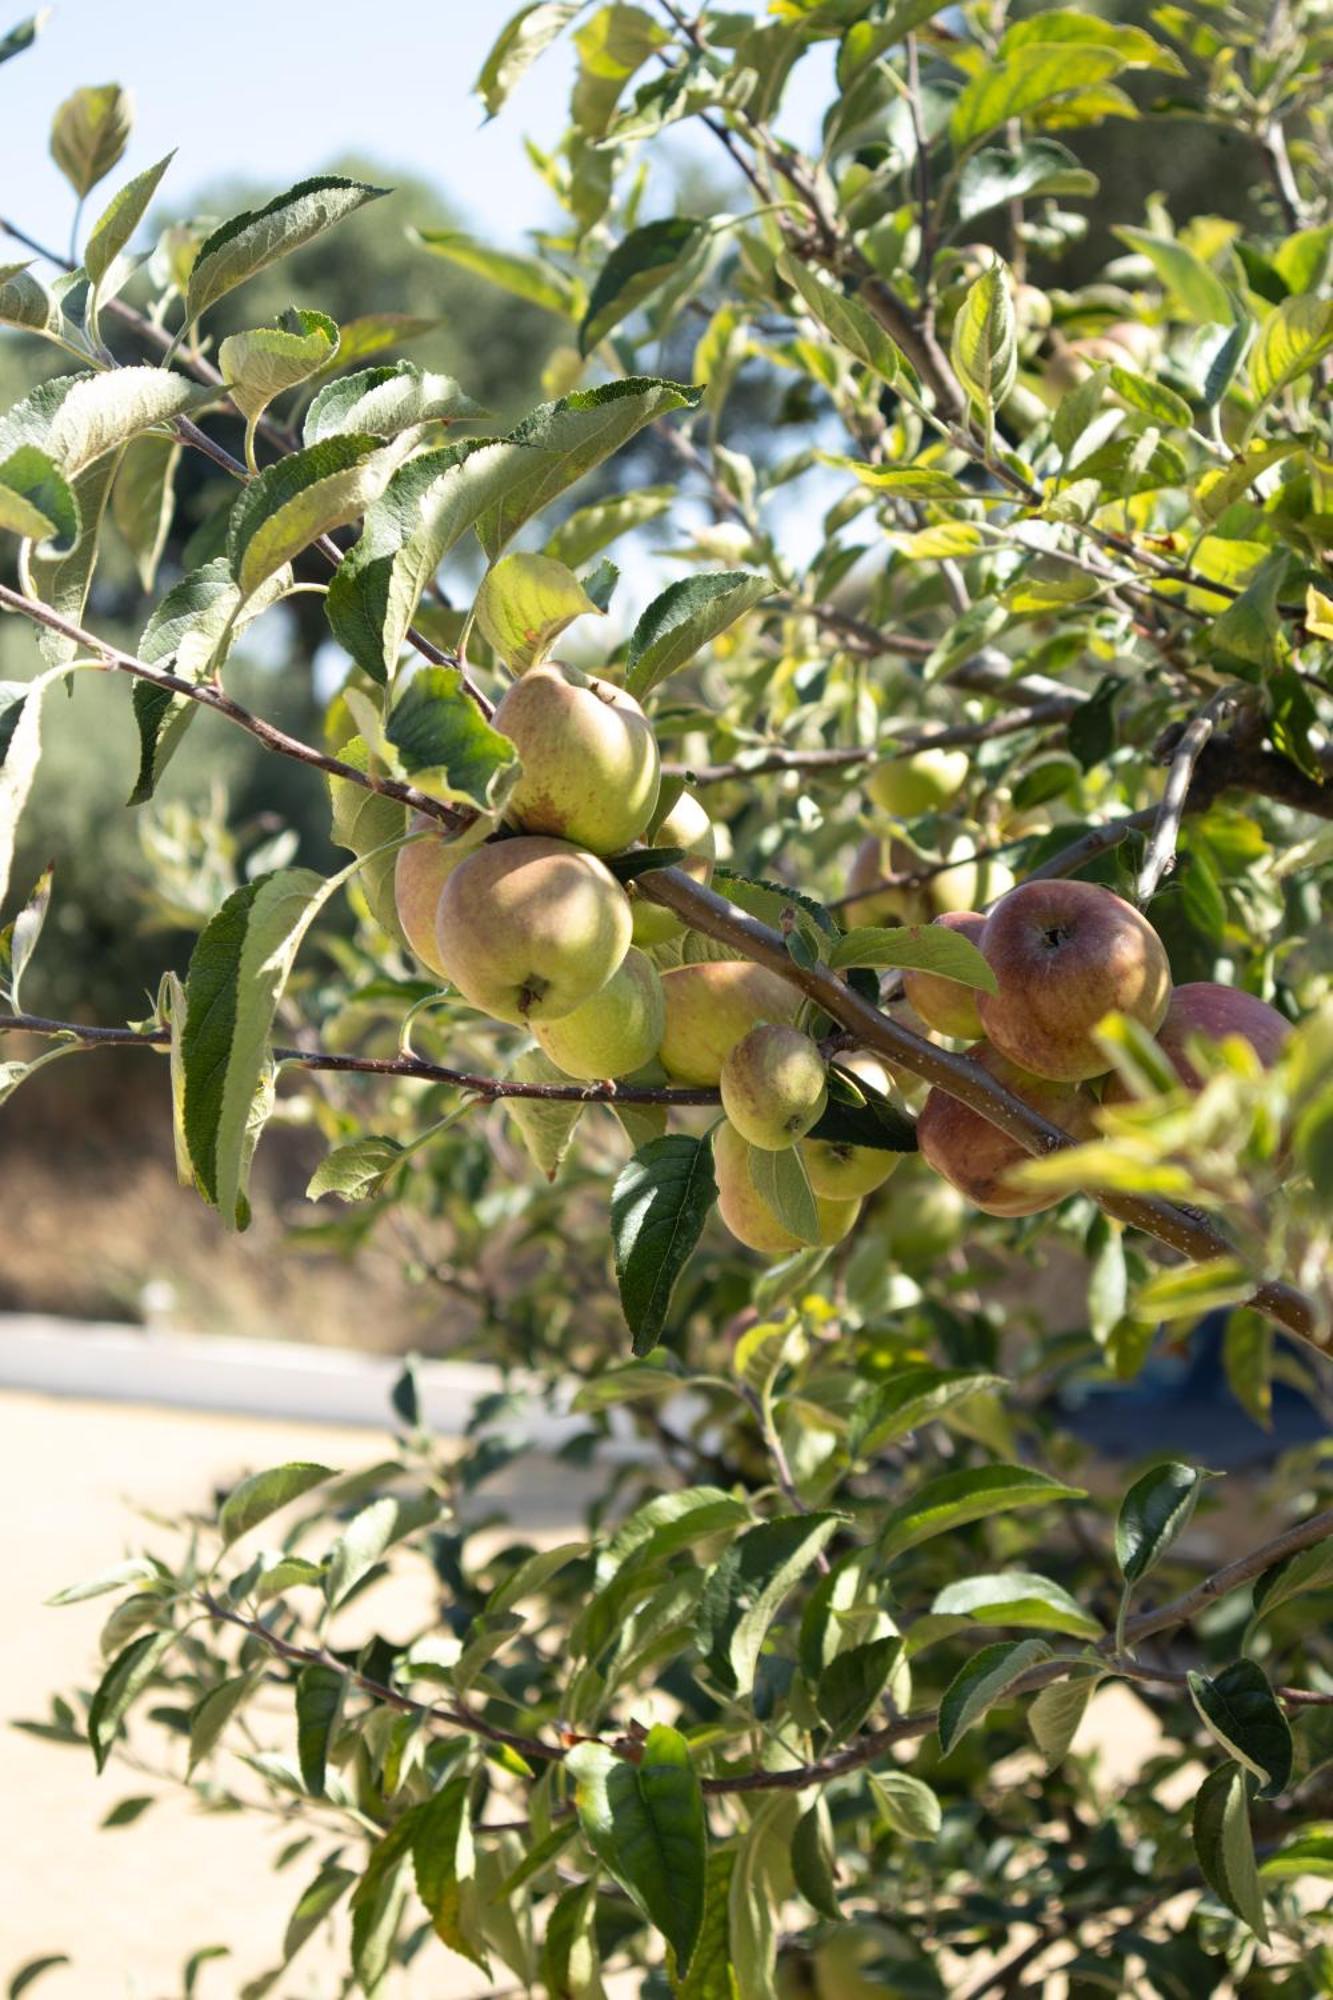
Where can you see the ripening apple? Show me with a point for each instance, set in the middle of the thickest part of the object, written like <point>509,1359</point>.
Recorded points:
<point>529,929</point>
<point>975,1156</point>
<point>774,1086</point>
<point>709,1007</point>
<point>944,1004</point>
<point>1065,954</point>
<point>420,872</point>
<point>590,765</point>
<point>1213,1012</point>
<point>921,783</point>
<point>839,1169</point>
<point>686,825</point>
<point>876,907</point>
<point>614,1033</point>
<point>749,1218</point>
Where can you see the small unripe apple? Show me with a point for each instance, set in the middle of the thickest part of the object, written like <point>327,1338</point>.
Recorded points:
<point>709,1007</point>
<point>969,884</point>
<point>420,872</point>
<point>874,907</point>
<point>774,1086</point>
<point>842,1171</point>
<point>921,1218</point>
<point>943,1004</point>
<point>614,1033</point>
<point>921,783</point>
<point>1065,954</point>
<point>529,929</point>
<point>749,1218</point>
<point>687,825</point>
<point>975,1156</point>
<point>1204,1008</point>
<point>590,765</point>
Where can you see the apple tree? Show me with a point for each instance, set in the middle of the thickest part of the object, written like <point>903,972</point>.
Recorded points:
<point>804,1016</point>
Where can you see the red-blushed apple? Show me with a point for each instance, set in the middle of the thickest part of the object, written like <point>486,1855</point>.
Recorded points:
<point>1213,1012</point>
<point>420,871</point>
<point>774,1086</point>
<point>1064,955</point>
<point>839,1169</point>
<point>975,1156</point>
<point>944,1004</point>
<point>709,1006</point>
<point>529,929</point>
<point>685,825</point>
<point>590,765</point>
<point>749,1218</point>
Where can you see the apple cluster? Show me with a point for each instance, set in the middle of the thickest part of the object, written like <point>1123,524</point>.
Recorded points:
<point>532,927</point>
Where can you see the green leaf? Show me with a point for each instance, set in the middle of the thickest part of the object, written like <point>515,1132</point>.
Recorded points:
<point>25,302</point>
<point>1156,1509</point>
<point>1039,167</point>
<point>640,265</point>
<point>133,1571</point>
<point>368,823</point>
<point>377,1904</point>
<point>907,1803</point>
<point>571,1963</point>
<point>525,603</point>
<point>63,581</point>
<point>1225,1846</point>
<point>615,43</point>
<point>268,360</point>
<point>814,1860</point>
<point>1058,1710</point>
<point>955,1498</point>
<point>36,500</point>
<point>1307,1570</point>
<point>116,225</point>
<point>547,1125</point>
<point>842,314</point>
<point>520,42</point>
<point>1017,1597</point>
<point>985,339</point>
<point>530,278</point>
<point>1247,1361</point>
<point>301,497</point>
<point>1309,1853</point>
<point>1193,285</point>
<point>238,970</point>
<point>986,1679</point>
<point>913,1396</point>
<point>745,1589</point>
<point>1241,1711</point>
<point>645,1823</point>
<point>100,413</point>
<point>28,1975</point>
<point>853,1682</point>
<point>89,133</point>
<point>357,1169</point>
<point>125,1679</point>
<point>13,44</point>
<point>782,1182</point>
<point>591,529</point>
<point>1152,399</point>
<point>709,1976</point>
<point>20,749</point>
<point>319,1698</point>
<point>249,242</point>
<point>143,501</point>
<point>1291,341</point>
<point>659,1205</point>
<point>209,1717</point>
<point>1024,79</point>
<point>313,1907</point>
<point>921,947</point>
<point>684,618</point>
<point>263,1493</point>
<point>446,745</point>
<point>384,402</point>
<point>369,1534</point>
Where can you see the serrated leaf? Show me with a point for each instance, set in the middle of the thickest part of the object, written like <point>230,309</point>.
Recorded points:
<point>1017,1597</point>
<point>89,133</point>
<point>520,42</point>
<point>237,973</point>
<point>683,619</point>
<point>102,412</point>
<point>1156,1509</point>
<point>547,1124</point>
<point>955,1498</point>
<point>907,1803</point>
<point>659,1205</point>
<point>1024,79</point>
<point>265,362</point>
<point>709,1976</point>
<point>590,529</point>
<point>918,947</point>
<point>300,497</point>
<point>263,1493</point>
<point>63,581</point>
<point>1058,1710</point>
<point>1241,1711</point>
<point>446,745</point>
<point>25,302</point>
<point>1193,285</point>
<point>645,1823</point>
<point>116,225</point>
<point>913,1396</point>
<point>1307,1570</point>
<point>384,402</point>
<point>210,1715</point>
<point>249,242</point>
<point>1225,1846</point>
<point>641,263</point>
<point>1293,339</point>
<point>367,823</point>
<point>853,1682</point>
<point>20,749</point>
<point>782,1182</point>
<point>355,1170</point>
<point>37,501</point>
<point>320,1692</point>
<point>125,1679</point>
<point>525,603</point>
<point>1309,1853</point>
<point>987,1678</point>
<point>842,314</point>
<point>530,278</point>
<point>133,1571</point>
<point>143,501</point>
<point>377,1904</point>
<point>814,1860</point>
<point>985,339</point>
<point>1039,167</point>
<point>19,940</point>
<point>744,1591</point>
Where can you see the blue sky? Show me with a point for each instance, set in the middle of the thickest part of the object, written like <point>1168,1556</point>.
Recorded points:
<point>276,89</point>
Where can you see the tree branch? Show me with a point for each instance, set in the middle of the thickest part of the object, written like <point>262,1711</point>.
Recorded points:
<point>1193,741</point>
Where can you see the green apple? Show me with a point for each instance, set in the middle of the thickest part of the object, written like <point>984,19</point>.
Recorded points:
<point>944,1004</point>
<point>749,1218</point>
<point>709,1006</point>
<point>921,783</point>
<point>968,885</point>
<point>921,1218</point>
<point>975,1156</point>
<point>528,929</point>
<point>842,1171</point>
<point>614,1033</point>
<point>883,908</point>
<point>774,1086</point>
<point>590,765</point>
<point>686,825</point>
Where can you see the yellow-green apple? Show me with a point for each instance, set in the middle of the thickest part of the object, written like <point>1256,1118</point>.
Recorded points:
<point>749,1218</point>
<point>590,765</point>
<point>774,1086</point>
<point>970,884</point>
<point>944,1004</point>
<point>420,872</point>
<point>614,1033</point>
<point>709,1007</point>
<point>975,1156</point>
<point>840,1170</point>
<point>1065,954</point>
<point>686,825</point>
<point>528,929</point>
<point>1203,1008</point>
<point>868,903</point>
<point>921,1218</point>
<point>921,783</point>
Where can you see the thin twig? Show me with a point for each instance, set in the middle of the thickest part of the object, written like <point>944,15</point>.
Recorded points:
<point>1193,741</point>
